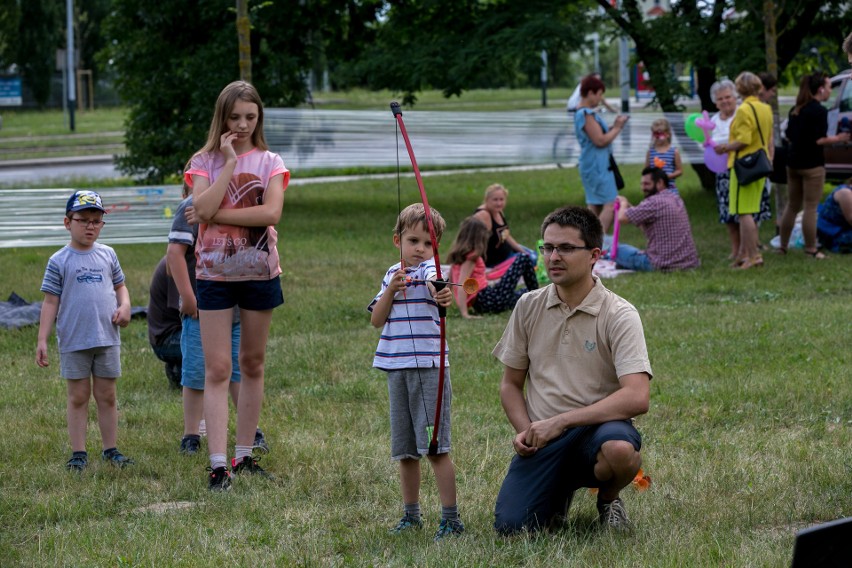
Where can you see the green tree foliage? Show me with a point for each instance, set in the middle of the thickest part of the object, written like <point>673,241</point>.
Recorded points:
<point>722,38</point>
<point>10,17</point>
<point>171,60</point>
<point>90,39</point>
<point>39,33</point>
<point>454,45</point>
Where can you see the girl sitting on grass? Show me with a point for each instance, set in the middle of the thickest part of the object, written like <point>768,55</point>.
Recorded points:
<point>467,256</point>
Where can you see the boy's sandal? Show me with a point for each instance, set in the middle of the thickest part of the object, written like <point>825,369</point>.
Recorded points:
<point>815,254</point>
<point>781,250</point>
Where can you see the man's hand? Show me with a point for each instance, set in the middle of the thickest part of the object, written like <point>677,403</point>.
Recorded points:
<point>541,432</point>
<point>521,447</point>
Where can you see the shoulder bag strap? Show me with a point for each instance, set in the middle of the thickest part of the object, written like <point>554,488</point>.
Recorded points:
<point>757,120</point>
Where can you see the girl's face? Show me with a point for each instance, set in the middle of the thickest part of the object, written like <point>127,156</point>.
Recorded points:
<point>243,120</point>
<point>824,92</point>
<point>661,135</point>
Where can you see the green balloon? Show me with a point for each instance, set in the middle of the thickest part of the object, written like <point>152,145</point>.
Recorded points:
<point>693,131</point>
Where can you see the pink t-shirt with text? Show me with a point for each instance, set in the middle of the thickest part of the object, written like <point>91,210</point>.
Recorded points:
<point>230,253</point>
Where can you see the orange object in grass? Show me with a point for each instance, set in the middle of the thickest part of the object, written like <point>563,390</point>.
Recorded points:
<point>641,482</point>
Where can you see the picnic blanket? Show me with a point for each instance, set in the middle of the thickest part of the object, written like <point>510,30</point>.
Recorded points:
<point>16,312</point>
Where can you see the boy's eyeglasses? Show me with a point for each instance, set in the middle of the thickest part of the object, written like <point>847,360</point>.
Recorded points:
<point>86,223</point>
<point>561,250</point>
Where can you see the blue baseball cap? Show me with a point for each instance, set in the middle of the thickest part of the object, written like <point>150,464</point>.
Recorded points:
<point>80,200</point>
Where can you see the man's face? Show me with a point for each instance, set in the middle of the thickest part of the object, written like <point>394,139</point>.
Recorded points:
<point>572,267</point>
<point>648,187</point>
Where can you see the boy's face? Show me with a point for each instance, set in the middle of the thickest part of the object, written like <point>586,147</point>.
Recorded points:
<point>85,227</point>
<point>414,246</point>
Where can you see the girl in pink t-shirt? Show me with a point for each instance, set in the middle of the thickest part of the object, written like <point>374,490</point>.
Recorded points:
<point>238,192</point>
<point>466,256</point>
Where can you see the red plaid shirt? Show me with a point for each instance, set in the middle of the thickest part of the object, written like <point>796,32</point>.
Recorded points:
<point>663,219</point>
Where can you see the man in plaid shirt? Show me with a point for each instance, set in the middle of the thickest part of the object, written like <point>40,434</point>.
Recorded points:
<point>662,217</point>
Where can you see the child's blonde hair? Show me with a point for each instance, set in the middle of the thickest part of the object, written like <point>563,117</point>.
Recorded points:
<point>233,92</point>
<point>661,124</point>
<point>473,236</point>
<point>415,215</point>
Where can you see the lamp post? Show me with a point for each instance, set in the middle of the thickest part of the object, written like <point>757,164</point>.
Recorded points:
<point>70,72</point>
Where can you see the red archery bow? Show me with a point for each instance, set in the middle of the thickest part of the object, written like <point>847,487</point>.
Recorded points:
<point>438,283</point>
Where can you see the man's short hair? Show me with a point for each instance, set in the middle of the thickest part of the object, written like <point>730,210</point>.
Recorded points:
<point>414,215</point>
<point>768,80</point>
<point>657,174</point>
<point>580,218</point>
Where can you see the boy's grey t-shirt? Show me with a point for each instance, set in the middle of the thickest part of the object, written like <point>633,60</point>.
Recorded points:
<point>85,282</point>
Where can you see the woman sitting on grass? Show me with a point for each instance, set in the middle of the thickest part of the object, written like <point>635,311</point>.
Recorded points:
<point>467,259</point>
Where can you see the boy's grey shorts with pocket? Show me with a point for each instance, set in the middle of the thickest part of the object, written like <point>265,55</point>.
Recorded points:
<point>413,395</point>
<point>104,362</point>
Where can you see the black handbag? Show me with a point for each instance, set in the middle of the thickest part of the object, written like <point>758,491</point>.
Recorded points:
<point>616,173</point>
<point>752,167</point>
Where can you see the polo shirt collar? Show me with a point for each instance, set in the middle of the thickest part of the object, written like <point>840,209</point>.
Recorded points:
<point>591,304</point>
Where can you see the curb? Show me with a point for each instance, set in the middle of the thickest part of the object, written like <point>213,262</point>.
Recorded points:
<point>58,161</point>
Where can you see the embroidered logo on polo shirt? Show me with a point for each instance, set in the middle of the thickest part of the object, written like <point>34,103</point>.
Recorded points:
<point>590,346</point>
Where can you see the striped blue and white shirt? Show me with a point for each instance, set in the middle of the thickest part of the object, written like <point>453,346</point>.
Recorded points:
<point>411,335</point>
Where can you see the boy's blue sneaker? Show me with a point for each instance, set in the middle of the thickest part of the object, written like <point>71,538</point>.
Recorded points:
<point>449,528</point>
<point>260,445</point>
<point>406,523</point>
<point>249,465</point>
<point>189,445</point>
<point>116,458</point>
<point>220,479</point>
<point>78,462</point>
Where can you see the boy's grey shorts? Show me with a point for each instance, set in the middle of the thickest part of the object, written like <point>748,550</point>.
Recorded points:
<point>412,409</point>
<point>104,362</point>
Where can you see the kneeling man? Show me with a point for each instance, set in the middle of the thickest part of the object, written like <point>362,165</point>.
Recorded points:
<point>580,351</point>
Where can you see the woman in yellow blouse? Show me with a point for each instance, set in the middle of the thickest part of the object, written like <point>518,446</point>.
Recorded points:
<point>751,130</point>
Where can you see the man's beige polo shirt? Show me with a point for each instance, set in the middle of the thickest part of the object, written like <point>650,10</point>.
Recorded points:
<point>574,357</point>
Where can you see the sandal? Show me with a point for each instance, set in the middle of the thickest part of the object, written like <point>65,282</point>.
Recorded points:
<point>816,254</point>
<point>781,250</point>
<point>753,262</point>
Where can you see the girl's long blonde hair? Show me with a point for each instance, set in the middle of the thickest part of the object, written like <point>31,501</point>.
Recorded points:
<point>473,236</point>
<point>242,91</point>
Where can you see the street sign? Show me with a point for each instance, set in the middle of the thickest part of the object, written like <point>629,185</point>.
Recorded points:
<point>10,91</point>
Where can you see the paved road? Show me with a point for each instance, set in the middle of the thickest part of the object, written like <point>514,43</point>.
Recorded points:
<point>309,139</point>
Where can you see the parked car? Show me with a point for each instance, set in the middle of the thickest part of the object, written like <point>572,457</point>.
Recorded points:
<point>838,157</point>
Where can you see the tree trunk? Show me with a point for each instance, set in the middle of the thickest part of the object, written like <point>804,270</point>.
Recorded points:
<point>770,35</point>
<point>244,38</point>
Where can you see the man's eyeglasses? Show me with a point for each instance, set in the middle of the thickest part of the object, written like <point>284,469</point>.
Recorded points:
<point>561,250</point>
<point>87,223</point>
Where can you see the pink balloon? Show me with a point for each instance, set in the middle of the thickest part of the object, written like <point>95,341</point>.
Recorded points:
<point>705,124</point>
<point>716,163</point>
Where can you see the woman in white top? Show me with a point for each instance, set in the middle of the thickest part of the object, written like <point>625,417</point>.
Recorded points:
<point>724,96</point>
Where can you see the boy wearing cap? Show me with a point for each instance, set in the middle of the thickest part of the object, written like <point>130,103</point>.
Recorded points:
<point>84,293</point>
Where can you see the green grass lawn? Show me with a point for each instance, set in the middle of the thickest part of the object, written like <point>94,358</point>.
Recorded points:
<point>747,439</point>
